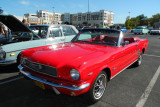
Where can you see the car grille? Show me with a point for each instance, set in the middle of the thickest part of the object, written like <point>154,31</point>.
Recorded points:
<point>40,68</point>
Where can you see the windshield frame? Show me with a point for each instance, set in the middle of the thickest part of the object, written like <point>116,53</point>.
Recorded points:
<point>118,44</point>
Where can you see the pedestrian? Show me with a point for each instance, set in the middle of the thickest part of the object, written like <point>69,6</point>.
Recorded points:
<point>9,34</point>
<point>24,21</point>
<point>4,30</point>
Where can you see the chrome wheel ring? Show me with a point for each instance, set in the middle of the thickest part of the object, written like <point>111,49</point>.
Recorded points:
<point>140,60</point>
<point>99,86</point>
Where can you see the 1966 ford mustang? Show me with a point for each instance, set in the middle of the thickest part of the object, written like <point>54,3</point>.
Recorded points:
<point>85,65</point>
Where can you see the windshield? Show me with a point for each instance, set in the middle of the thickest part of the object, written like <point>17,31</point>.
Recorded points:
<point>40,30</point>
<point>98,36</point>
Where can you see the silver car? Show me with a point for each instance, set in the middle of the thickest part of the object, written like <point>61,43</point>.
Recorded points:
<point>30,37</point>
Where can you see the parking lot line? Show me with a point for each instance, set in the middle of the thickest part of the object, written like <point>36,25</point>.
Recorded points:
<point>152,55</point>
<point>5,82</point>
<point>146,93</point>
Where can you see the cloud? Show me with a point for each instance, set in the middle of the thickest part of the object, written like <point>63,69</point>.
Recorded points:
<point>24,2</point>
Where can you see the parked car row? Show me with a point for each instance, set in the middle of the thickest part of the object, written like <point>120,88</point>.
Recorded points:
<point>145,30</point>
<point>75,65</point>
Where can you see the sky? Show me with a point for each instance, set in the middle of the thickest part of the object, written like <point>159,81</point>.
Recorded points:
<point>121,8</point>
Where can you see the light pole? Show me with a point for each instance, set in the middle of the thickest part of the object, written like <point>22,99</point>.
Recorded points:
<point>88,13</point>
<point>88,6</point>
<point>53,15</point>
<point>129,14</point>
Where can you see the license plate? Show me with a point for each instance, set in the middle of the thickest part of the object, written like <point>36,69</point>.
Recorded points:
<point>39,84</point>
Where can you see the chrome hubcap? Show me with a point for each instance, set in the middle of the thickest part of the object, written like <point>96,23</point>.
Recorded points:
<point>99,86</point>
<point>139,59</point>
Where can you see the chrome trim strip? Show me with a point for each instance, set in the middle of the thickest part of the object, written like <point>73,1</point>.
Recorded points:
<point>7,62</point>
<point>51,84</point>
<point>123,69</point>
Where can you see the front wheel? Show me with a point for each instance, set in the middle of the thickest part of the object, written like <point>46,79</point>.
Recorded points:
<point>98,88</point>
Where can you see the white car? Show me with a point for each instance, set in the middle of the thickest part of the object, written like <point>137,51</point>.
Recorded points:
<point>155,31</point>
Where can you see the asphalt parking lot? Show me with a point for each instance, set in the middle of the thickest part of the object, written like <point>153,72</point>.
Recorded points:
<point>134,87</point>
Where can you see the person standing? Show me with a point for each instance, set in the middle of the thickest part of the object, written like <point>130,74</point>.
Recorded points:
<point>24,21</point>
<point>4,30</point>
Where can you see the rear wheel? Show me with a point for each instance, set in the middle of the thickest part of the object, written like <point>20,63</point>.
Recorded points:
<point>98,88</point>
<point>139,61</point>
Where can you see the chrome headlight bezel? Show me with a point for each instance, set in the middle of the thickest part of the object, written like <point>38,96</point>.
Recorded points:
<point>2,54</point>
<point>75,75</point>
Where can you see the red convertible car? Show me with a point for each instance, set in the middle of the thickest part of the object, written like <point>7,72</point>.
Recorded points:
<point>85,65</point>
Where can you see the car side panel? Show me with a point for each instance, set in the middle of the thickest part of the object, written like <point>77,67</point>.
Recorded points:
<point>55,40</point>
<point>129,55</point>
<point>120,60</point>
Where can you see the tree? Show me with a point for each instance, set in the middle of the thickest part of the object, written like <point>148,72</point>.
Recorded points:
<point>128,23</point>
<point>140,20</point>
<point>154,18</point>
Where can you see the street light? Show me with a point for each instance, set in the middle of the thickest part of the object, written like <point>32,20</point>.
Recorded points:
<point>129,14</point>
<point>88,13</point>
<point>88,6</point>
<point>53,15</point>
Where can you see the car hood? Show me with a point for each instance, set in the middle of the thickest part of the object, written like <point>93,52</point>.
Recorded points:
<point>14,24</point>
<point>66,54</point>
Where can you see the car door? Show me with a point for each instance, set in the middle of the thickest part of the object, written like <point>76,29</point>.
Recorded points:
<point>69,33</point>
<point>55,35</point>
<point>129,55</point>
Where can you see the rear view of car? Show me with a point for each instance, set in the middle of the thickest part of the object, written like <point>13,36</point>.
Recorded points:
<point>141,30</point>
<point>155,31</point>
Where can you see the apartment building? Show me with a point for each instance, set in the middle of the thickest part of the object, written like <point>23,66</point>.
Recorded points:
<point>32,19</point>
<point>49,17</point>
<point>101,18</point>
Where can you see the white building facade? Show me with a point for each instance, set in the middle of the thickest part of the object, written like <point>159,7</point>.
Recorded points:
<point>49,17</point>
<point>101,18</point>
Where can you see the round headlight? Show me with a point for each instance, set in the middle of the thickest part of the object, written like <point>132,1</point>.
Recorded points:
<point>2,53</point>
<point>74,74</point>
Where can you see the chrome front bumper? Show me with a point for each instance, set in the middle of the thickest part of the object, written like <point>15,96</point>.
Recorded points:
<point>73,88</point>
<point>9,62</point>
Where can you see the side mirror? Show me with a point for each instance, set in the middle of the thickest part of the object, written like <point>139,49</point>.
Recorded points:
<point>125,43</point>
